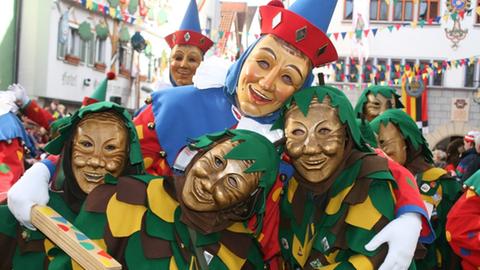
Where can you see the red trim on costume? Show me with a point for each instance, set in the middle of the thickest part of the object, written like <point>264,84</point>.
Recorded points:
<point>38,115</point>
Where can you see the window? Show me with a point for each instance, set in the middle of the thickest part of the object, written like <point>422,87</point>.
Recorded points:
<point>62,39</point>
<point>382,70</point>
<point>353,72</point>
<point>367,72</point>
<point>403,10</point>
<point>90,51</point>
<point>125,58</point>
<point>74,43</point>
<point>469,75</point>
<point>339,68</point>
<point>378,10</point>
<point>437,73</point>
<point>428,9</point>
<point>99,50</point>
<point>348,12</point>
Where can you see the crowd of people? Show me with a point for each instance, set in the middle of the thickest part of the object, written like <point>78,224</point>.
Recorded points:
<point>262,170</point>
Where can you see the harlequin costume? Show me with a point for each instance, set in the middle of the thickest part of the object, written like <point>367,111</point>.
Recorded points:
<point>436,186</point>
<point>21,248</point>
<point>463,224</point>
<point>144,222</point>
<point>14,143</point>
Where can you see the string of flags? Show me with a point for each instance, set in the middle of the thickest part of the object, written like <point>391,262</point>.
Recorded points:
<point>397,71</point>
<point>107,10</point>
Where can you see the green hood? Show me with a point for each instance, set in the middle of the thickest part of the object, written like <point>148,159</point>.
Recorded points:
<point>385,91</point>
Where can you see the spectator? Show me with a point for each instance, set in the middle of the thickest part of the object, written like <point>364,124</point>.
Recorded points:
<point>475,163</point>
<point>454,150</point>
<point>467,156</point>
<point>439,158</point>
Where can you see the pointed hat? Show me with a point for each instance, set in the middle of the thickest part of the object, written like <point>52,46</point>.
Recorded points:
<point>190,32</point>
<point>100,93</point>
<point>303,26</point>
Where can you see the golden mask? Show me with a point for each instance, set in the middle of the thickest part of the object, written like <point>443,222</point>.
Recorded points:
<point>99,147</point>
<point>392,142</point>
<point>316,142</point>
<point>214,183</point>
<point>184,61</point>
<point>270,75</point>
<point>376,105</point>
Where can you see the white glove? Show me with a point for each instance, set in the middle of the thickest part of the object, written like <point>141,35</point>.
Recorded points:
<point>29,190</point>
<point>21,96</point>
<point>7,102</point>
<point>402,235</point>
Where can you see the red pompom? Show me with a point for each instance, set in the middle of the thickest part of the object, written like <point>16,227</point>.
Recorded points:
<point>276,3</point>
<point>111,75</point>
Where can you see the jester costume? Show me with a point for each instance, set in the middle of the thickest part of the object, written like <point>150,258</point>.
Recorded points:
<point>325,225</point>
<point>144,222</point>
<point>390,95</point>
<point>463,224</point>
<point>436,186</point>
<point>21,248</point>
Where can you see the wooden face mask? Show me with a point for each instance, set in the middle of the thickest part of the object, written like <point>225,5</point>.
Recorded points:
<point>99,147</point>
<point>184,61</point>
<point>270,75</point>
<point>215,183</point>
<point>376,105</point>
<point>316,142</point>
<point>392,142</point>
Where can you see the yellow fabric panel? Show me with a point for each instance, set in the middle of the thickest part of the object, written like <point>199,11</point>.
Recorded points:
<point>229,258</point>
<point>124,219</point>
<point>301,251</point>
<point>363,215</point>
<point>76,266</point>
<point>361,262</point>
<point>47,245</point>
<point>147,162</point>
<point>332,256</point>
<point>413,108</point>
<point>20,155</point>
<point>160,202</point>
<point>139,129</point>
<point>470,193</point>
<point>193,264</point>
<point>173,264</point>
<point>448,236</point>
<point>433,174</point>
<point>335,202</point>
<point>292,187</point>
<point>238,227</point>
<point>430,199</point>
<point>276,194</point>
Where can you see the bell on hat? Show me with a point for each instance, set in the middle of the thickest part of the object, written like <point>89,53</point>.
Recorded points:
<point>190,32</point>
<point>303,26</point>
<point>100,93</point>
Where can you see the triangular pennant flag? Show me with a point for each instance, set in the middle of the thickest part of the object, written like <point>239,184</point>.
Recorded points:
<point>329,34</point>
<point>366,32</point>
<point>445,18</point>
<point>335,35</point>
<point>344,34</point>
<point>437,19</point>
<point>421,23</point>
<point>462,14</point>
<point>454,16</point>
<point>398,26</point>
<point>350,34</point>
<point>430,21</point>
<point>390,28</point>
<point>374,31</point>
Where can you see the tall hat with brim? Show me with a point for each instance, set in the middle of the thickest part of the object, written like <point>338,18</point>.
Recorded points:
<point>100,93</point>
<point>190,32</point>
<point>303,26</point>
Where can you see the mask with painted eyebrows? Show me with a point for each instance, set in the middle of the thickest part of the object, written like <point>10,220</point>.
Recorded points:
<point>316,142</point>
<point>376,104</point>
<point>392,142</point>
<point>215,183</point>
<point>270,75</point>
<point>184,61</point>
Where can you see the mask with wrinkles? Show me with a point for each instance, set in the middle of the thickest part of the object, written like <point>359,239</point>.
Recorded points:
<point>99,147</point>
<point>215,183</point>
<point>376,105</point>
<point>316,142</point>
<point>392,142</point>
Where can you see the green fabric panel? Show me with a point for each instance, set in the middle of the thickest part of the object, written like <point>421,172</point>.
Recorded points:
<point>382,198</point>
<point>450,188</point>
<point>181,263</point>
<point>181,229</point>
<point>216,263</point>
<point>61,262</point>
<point>56,202</point>
<point>91,224</point>
<point>346,178</point>
<point>28,260</point>
<point>146,178</point>
<point>208,239</point>
<point>135,258</point>
<point>8,223</point>
<point>323,233</point>
<point>357,238</point>
<point>4,168</point>
<point>382,175</point>
<point>156,227</point>
<point>255,257</point>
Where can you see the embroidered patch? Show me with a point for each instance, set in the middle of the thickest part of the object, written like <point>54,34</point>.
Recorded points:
<point>316,264</point>
<point>425,188</point>
<point>325,244</point>
<point>285,243</point>
<point>208,256</point>
<point>187,36</point>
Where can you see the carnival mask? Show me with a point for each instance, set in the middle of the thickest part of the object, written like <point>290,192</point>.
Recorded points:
<point>316,142</point>
<point>376,105</point>
<point>392,142</point>
<point>99,147</point>
<point>184,61</point>
<point>214,183</point>
<point>270,75</point>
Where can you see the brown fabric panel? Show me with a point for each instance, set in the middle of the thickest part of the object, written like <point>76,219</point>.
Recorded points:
<point>416,162</point>
<point>213,248</point>
<point>248,266</point>
<point>359,191</point>
<point>29,246</point>
<point>298,203</point>
<point>115,246</point>
<point>379,258</point>
<point>371,164</point>
<point>186,253</point>
<point>238,243</point>
<point>339,230</point>
<point>98,198</point>
<point>314,255</point>
<point>131,191</point>
<point>154,248</point>
<point>7,250</point>
<point>381,223</point>
<point>420,252</point>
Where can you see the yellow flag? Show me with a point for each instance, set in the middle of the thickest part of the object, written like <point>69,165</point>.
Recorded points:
<point>478,10</point>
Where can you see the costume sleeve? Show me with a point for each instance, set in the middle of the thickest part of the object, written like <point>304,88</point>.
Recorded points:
<point>38,114</point>
<point>11,165</point>
<point>153,154</point>
<point>463,229</point>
